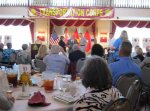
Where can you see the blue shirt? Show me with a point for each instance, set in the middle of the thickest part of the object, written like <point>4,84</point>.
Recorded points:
<point>124,65</point>
<point>6,54</point>
<point>117,44</point>
<point>56,63</point>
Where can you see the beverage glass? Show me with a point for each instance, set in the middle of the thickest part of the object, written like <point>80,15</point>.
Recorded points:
<point>12,79</point>
<point>48,85</point>
<point>64,85</point>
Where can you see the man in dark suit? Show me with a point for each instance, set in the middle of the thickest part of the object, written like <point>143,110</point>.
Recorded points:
<point>70,43</point>
<point>62,43</point>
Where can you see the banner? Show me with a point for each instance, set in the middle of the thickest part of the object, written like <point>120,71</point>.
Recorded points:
<point>72,12</point>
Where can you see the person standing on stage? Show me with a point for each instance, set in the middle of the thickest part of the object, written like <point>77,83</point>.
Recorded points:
<point>71,42</point>
<point>62,43</point>
<point>82,42</point>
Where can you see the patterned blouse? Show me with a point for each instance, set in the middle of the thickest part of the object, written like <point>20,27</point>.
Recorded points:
<point>95,100</point>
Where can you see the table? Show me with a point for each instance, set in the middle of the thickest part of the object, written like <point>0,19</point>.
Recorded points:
<point>21,105</point>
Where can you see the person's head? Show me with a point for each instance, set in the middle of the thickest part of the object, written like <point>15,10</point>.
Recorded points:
<point>24,47</point>
<point>125,49</point>
<point>148,49</point>
<point>139,51</point>
<point>80,35</point>
<point>61,37</point>
<point>96,74</point>
<point>1,45</point>
<point>9,45</point>
<point>136,47</point>
<point>124,35</point>
<point>111,35</point>
<point>42,51</point>
<point>72,37</point>
<point>75,47</point>
<point>55,49</point>
<point>98,50</point>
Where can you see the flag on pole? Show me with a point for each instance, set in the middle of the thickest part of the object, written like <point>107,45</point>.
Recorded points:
<point>76,36</point>
<point>88,37</point>
<point>54,38</point>
<point>66,35</point>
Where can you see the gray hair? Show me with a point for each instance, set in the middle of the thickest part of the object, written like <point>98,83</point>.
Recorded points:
<point>24,46</point>
<point>96,74</point>
<point>124,35</point>
<point>75,47</point>
<point>139,51</point>
<point>55,49</point>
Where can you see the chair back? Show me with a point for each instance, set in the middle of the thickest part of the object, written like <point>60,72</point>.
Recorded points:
<point>125,81</point>
<point>136,60</point>
<point>40,64</point>
<point>133,94</point>
<point>79,64</point>
<point>1,56</point>
<point>147,65</point>
<point>121,104</point>
<point>146,75</point>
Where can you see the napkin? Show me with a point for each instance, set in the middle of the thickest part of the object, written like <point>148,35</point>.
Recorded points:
<point>38,100</point>
<point>65,97</point>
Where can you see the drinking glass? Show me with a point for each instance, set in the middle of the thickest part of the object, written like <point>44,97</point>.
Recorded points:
<point>12,77</point>
<point>65,85</point>
<point>48,85</point>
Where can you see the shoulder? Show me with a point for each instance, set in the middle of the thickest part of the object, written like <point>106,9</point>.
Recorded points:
<point>113,64</point>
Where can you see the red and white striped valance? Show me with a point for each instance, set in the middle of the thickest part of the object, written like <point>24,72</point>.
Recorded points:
<point>130,24</point>
<point>16,22</point>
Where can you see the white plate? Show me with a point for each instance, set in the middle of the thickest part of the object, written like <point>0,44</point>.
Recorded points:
<point>66,98</point>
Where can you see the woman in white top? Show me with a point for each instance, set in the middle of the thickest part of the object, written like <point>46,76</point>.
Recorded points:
<point>98,80</point>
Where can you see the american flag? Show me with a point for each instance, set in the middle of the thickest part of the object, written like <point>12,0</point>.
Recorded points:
<point>54,38</point>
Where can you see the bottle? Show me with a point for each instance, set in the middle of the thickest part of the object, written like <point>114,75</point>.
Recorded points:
<point>25,89</point>
<point>25,77</point>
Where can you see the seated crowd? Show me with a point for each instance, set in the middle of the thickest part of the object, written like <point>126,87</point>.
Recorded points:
<point>97,75</point>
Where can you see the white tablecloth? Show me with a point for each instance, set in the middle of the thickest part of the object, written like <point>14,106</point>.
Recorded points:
<point>22,105</point>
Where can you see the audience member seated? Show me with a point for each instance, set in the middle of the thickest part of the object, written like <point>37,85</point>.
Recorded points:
<point>1,51</point>
<point>147,51</point>
<point>139,54</point>
<point>23,57</point>
<point>98,50</point>
<point>125,64</point>
<point>7,53</point>
<point>56,62</point>
<point>97,78</point>
<point>76,54</point>
<point>133,54</point>
<point>42,52</point>
<point>146,60</point>
<point>1,47</point>
<point>6,102</point>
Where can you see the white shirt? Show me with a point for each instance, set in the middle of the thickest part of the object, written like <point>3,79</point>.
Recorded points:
<point>111,42</point>
<point>82,41</point>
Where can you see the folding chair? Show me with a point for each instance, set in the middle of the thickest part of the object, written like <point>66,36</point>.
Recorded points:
<point>125,81</point>
<point>121,104</point>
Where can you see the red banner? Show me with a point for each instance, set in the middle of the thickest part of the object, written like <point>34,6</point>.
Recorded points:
<point>72,12</point>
